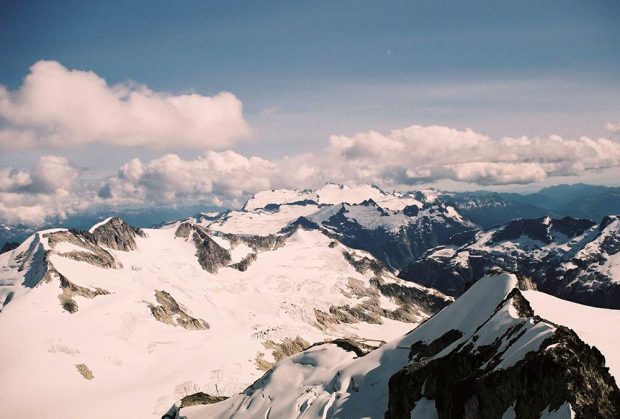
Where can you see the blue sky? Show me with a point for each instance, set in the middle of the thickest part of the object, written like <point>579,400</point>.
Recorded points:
<point>307,70</point>
<point>344,66</point>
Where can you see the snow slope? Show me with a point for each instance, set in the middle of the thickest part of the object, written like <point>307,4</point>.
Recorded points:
<point>91,331</point>
<point>328,381</point>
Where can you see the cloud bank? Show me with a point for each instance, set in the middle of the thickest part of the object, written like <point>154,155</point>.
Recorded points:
<point>400,159</point>
<point>44,192</point>
<point>58,107</point>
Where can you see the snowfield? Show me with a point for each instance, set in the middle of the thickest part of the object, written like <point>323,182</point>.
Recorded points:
<point>113,358</point>
<point>330,382</point>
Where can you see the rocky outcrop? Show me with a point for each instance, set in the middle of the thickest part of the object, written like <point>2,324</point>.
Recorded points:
<point>85,371</point>
<point>280,350</point>
<point>8,246</point>
<point>471,381</point>
<point>115,234</point>
<point>89,253</point>
<point>413,303</point>
<point>244,263</point>
<point>211,255</point>
<point>70,290</point>
<point>169,312</point>
<point>200,398</point>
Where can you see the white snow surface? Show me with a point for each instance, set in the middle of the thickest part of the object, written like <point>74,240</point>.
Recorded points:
<point>142,366</point>
<point>328,382</point>
<point>343,386</point>
<point>99,224</point>
<point>595,326</point>
<point>332,194</point>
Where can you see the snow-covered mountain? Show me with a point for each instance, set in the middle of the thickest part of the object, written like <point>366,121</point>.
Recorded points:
<point>132,320</point>
<point>499,351</point>
<point>396,228</point>
<point>570,258</point>
<point>122,322</point>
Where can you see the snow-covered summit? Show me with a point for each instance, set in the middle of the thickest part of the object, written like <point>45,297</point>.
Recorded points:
<point>331,194</point>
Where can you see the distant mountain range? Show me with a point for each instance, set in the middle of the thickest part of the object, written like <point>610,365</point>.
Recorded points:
<point>489,209</point>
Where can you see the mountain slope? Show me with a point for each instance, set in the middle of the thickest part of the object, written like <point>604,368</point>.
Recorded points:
<point>395,228</point>
<point>487,355</point>
<point>570,258</point>
<point>121,322</point>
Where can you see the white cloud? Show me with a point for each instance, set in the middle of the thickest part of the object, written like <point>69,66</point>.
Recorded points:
<point>398,159</point>
<point>219,178</point>
<point>424,154</point>
<point>614,127</point>
<point>31,198</point>
<point>65,108</point>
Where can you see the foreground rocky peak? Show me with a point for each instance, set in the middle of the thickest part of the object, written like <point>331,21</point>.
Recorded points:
<point>488,355</point>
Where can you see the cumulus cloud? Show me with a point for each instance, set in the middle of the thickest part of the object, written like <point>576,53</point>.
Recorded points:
<point>400,158</point>
<point>219,178</point>
<point>425,154</point>
<point>59,107</point>
<point>45,191</point>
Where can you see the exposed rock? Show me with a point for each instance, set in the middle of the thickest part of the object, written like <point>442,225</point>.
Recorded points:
<point>91,254</point>
<point>279,351</point>
<point>70,290</point>
<point>264,243</point>
<point>183,230</point>
<point>466,382</point>
<point>423,350</point>
<point>350,344</point>
<point>286,348</point>
<point>169,312</point>
<point>115,234</point>
<point>200,398</point>
<point>8,246</point>
<point>85,371</point>
<point>363,264</point>
<point>211,255</point>
<point>244,263</point>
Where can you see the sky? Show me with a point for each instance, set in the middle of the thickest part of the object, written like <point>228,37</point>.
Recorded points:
<point>142,102</point>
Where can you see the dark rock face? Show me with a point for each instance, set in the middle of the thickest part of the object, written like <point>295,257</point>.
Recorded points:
<point>423,350</point>
<point>411,210</point>
<point>211,255</point>
<point>8,246</point>
<point>245,263</point>
<point>115,234</point>
<point>467,382</point>
<point>183,230</point>
<point>541,229</point>
<point>399,248</point>
<point>264,243</point>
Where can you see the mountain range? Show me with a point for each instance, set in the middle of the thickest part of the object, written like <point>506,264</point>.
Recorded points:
<point>338,302</point>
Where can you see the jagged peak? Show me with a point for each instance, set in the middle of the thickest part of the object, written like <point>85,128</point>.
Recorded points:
<point>115,233</point>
